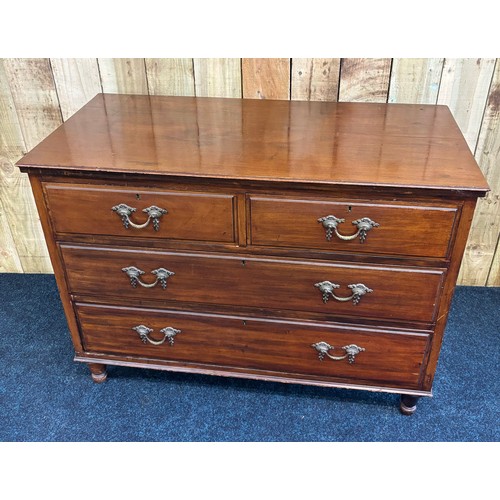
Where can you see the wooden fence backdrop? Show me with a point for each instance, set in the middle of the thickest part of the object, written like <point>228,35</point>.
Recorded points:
<point>37,95</point>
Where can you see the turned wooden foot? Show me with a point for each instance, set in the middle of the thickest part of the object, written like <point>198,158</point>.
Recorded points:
<point>98,372</point>
<point>408,404</point>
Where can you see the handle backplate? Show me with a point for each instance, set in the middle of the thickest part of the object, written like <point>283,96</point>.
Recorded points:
<point>330,223</point>
<point>168,334</point>
<point>351,351</point>
<point>135,274</point>
<point>327,287</point>
<point>153,212</point>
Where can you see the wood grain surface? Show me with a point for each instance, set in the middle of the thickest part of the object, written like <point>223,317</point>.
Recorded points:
<point>412,230</point>
<point>364,80</point>
<point>77,81</point>
<point>399,293</point>
<point>464,88</point>
<point>315,79</point>
<point>170,76</point>
<point>291,141</point>
<point>23,124</point>
<point>217,77</point>
<point>11,147</point>
<point>255,172</point>
<point>35,98</point>
<point>266,78</point>
<point>415,80</point>
<point>482,257</point>
<point>186,217</point>
<point>247,342</point>
<point>36,186</point>
<point>447,292</point>
<point>123,76</point>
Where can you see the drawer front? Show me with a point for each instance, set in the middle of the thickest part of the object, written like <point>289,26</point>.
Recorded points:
<point>397,293</point>
<point>418,231</point>
<point>243,342</point>
<point>189,216</point>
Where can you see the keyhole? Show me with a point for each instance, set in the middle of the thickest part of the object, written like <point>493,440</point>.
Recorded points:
<point>138,196</point>
<point>349,208</point>
<point>244,323</point>
<point>243,262</point>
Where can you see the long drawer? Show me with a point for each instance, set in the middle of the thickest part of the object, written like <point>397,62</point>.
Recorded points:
<point>377,292</point>
<point>292,347</point>
<point>139,212</point>
<point>353,227</point>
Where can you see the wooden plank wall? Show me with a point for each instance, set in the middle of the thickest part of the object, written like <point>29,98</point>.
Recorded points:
<point>37,95</point>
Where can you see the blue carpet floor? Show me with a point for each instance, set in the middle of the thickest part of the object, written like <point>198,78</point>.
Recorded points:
<point>45,396</point>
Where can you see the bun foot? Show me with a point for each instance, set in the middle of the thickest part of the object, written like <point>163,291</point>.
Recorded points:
<point>408,404</point>
<point>98,372</point>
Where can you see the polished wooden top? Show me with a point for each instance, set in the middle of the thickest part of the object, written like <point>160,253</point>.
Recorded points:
<point>328,143</point>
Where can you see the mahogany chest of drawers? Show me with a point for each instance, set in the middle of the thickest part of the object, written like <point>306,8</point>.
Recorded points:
<point>304,242</point>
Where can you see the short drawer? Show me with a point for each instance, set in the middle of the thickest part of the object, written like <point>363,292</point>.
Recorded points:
<point>102,210</point>
<point>265,344</point>
<point>398,293</point>
<point>409,230</point>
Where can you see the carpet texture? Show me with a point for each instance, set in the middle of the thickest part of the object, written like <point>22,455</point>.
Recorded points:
<point>45,396</point>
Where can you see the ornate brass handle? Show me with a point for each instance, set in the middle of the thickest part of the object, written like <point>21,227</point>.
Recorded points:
<point>161,273</point>
<point>168,334</point>
<point>358,290</point>
<point>154,214</point>
<point>351,351</point>
<point>330,223</point>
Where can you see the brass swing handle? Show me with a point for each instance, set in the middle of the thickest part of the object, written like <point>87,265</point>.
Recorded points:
<point>330,223</point>
<point>168,332</point>
<point>154,214</point>
<point>351,351</point>
<point>135,273</point>
<point>358,290</point>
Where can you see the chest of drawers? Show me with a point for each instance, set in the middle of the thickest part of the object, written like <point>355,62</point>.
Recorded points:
<point>302,242</point>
